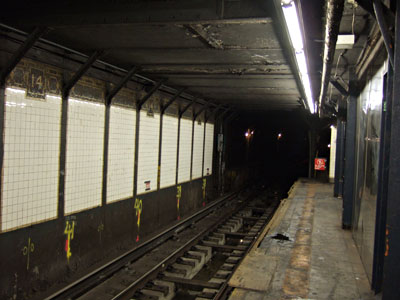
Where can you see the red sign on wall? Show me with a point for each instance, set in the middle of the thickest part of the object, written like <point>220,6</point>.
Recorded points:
<point>320,164</point>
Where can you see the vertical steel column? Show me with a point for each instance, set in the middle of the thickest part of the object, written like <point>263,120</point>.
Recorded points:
<point>135,168</point>
<point>350,150</point>
<point>105,152</point>
<point>391,269</point>
<point>383,173</point>
<point>177,149</point>
<point>181,112</point>
<point>219,149</point>
<point>139,105</point>
<point>204,145</point>
<point>66,89</point>
<point>108,101</point>
<point>8,68</point>
<point>339,161</point>
<point>63,154</point>
<point>2,121</point>
<point>191,154</point>
<point>163,109</point>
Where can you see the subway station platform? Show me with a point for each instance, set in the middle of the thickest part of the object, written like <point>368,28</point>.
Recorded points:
<point>303,253</point>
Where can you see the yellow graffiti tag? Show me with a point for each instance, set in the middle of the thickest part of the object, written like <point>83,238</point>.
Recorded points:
<point>138,208</point>
<point>178,199</point>
<point>69,231</point>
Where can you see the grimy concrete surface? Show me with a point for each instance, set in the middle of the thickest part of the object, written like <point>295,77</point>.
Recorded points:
<point>319,260</point>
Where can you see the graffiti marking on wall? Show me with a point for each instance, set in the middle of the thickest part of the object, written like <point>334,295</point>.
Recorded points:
<point>204,190</point>
<point>69,231</point>
<point>27,250</point>
<point>138,209</point>
<point>178,200</point>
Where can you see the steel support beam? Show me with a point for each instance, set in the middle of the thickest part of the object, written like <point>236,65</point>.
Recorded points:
<point>368,6</point>
<point>339,87</point>
<point>383,175</point>
<point>350,150</point>
<point>163,109</point>
<point>204,144</point>
<point>108,101</point>
<point>19,54</point>
<point>391,269</point>
<point>380,18</point>
<point>48,43</point>
<point>111,94</point>
<point>182,111</point>
<point>196,115</point>
<point>66,88</point>
<point>191,154</point>
<point>149,94</point>
<point>172,100</point>
<point>213,112</point>
<point>69,84</point>
<point>139,106</point>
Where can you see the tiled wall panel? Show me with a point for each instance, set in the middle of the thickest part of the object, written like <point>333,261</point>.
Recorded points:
<point>185,149</point>
<point>121,153</point>
<point>149,131</point>
<point>198,139</point>
<point>208,151</point>
<point>84,161</point>
<point>31,160</point>
<point>168,151</point>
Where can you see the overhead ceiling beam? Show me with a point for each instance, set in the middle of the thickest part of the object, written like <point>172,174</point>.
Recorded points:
<point>339,87</point>
<point>146,97</point>
<point>387,39</point>
<point>182,111</point>
<point>172,100</point>
<point>200,111</point>
<point>19,54</point>
<point>57,47</point>
<point>120,84</point>
<point>213,112</point>
<point>202,34</point>
<point>63,13</point>
<point>69,84</point>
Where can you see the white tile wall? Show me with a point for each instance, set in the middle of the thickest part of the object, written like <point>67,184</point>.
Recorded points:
<point>121,153</point>
<point>198,139</point>
<point>84,161</point>
<point>31,154</point>
<point>185,150</point>
<point>208,151</point>
<point>168,151</point>
<point>149,131</point>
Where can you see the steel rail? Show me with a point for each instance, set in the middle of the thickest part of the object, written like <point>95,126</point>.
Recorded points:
<point>225,288</point>
<point>123,295</point>
<point>85,283</point>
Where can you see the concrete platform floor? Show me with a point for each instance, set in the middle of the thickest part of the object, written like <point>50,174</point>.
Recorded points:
<point>318,261</point>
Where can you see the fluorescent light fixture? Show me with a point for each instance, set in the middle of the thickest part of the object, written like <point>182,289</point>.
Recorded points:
<point>293,26</point>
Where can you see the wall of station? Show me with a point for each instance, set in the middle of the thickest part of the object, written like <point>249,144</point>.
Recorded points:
<point>102,213</point>
<point>368,138</point>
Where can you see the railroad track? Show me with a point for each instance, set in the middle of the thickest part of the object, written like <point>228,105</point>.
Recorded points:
<point>192,260</point>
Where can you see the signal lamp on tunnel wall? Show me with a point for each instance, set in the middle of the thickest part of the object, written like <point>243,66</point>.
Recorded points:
<point>249,133</point>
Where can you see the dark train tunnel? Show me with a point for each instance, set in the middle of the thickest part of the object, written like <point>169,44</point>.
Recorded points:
<point>224,149</point>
